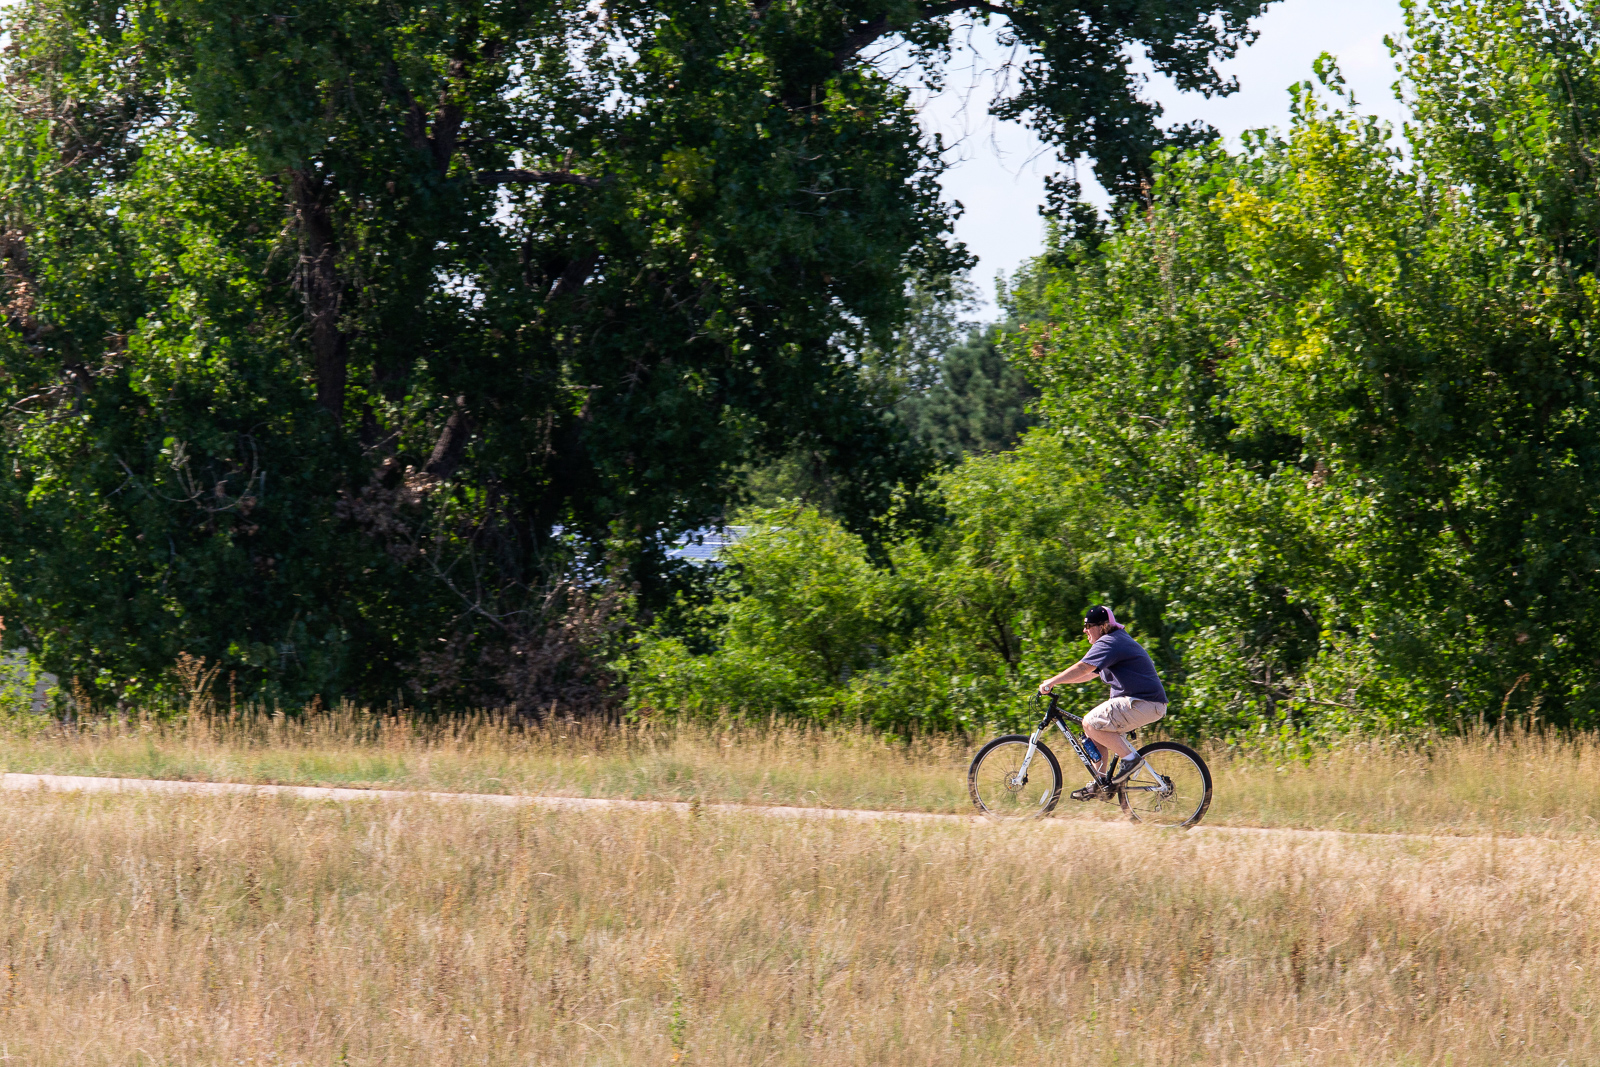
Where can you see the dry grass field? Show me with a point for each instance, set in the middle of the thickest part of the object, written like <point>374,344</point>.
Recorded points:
<point>194,931</point>
<point>1509,783</point>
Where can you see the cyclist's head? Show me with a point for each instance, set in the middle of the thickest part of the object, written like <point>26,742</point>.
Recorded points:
<point>1101,617</point>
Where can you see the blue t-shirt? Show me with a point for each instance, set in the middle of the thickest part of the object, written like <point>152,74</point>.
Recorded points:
<point>1122,663</point>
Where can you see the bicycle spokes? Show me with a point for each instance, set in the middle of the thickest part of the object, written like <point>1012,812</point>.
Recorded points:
<point>1171,788</point>
<point>1006,783</point>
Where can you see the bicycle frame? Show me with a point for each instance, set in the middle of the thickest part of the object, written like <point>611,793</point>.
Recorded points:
<point>1054,714</point>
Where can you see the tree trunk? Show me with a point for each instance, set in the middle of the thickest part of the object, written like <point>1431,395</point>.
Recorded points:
<point>451,448</point>
<point>321,288</point>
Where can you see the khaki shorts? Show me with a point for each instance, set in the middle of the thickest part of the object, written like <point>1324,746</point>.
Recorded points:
<point>1121,714</point>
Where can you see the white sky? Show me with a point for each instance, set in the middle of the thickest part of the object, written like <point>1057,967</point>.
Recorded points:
<point>999,168</point>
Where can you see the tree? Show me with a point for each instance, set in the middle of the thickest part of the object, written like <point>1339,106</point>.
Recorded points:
<point>349,344</point>
<point>1344,401</point>
<point>978,402</point>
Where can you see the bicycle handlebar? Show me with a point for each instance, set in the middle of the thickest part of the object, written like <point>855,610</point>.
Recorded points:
<point>1055,712</point>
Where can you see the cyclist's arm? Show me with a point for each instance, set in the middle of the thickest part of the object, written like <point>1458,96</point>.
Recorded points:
<point>1078,672</point>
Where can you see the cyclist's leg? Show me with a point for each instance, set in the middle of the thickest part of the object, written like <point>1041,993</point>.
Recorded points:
<point>1099,725</point>
<point>1110,742</point>
<point>1109,721</point>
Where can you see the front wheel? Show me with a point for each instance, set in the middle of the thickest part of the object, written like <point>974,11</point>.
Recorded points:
<point>1172,788</point>
<point>999,788</point>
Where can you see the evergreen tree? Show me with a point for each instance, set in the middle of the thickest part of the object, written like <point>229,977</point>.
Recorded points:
<point>978,400</point>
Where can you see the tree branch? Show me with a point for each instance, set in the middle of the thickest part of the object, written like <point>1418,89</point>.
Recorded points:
<point>870,30</point>
<point>572,278</point>
<point>539,177</point>
<point>451,447</point>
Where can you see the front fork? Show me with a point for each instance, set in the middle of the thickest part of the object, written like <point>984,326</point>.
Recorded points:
<point>1027,761</point>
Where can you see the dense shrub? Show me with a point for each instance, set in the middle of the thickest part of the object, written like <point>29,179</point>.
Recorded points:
<point>952,630</point>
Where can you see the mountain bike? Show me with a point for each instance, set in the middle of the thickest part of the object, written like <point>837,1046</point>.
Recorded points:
<point>1018,777</point>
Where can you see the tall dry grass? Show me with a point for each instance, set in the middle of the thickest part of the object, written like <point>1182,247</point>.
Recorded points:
<point>767,763</point>
<point>163,930</point>
<point>1510,781</point>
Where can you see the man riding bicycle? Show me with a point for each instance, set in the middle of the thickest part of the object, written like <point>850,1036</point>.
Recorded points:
<point>1137,696</point>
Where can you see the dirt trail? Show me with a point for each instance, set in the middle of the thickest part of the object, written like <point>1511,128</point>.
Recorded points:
<point>71,783</point>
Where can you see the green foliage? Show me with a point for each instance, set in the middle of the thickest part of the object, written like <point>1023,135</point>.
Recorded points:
<point>347,344</point>
<point>803,612</point>
<point>1321,416</point>
<point>1350,398</point>
<point>977,401</point>
<point>946,389</point>
<point>403,292</point>
<point>953,632</point>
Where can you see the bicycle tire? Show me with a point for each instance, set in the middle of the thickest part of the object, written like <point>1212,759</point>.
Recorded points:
<point>990,786</point>
<point>1190,778</point>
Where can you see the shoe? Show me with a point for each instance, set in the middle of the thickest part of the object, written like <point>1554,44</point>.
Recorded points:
<point>1128,770</point>
<point>1088,792</point>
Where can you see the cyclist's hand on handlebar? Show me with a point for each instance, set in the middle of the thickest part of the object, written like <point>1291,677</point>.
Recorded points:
<point>1044,688</point>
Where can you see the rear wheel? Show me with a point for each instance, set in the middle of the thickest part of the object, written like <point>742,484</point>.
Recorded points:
<point>1001,792</point>
<point>1172,788</point>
